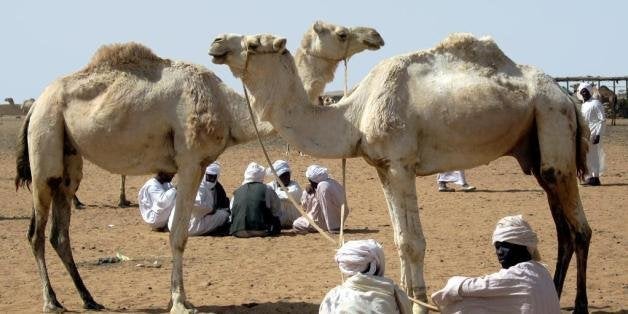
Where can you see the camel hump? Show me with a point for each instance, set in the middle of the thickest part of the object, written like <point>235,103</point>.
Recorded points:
<point>482,51</point>
<point>124,55</point>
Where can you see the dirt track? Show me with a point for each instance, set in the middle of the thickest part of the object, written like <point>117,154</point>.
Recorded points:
<point>291,274</point>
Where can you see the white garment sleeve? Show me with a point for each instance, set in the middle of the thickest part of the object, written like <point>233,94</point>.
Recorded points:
<point>450,293</point>
<point>598,111</point>
<point>162,199</point>
<point>496,284</point>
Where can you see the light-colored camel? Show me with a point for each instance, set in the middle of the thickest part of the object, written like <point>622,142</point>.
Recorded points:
<point>607,96</point>
<point>456,106</point>
<point>27,103</point>
<point>129,112</point>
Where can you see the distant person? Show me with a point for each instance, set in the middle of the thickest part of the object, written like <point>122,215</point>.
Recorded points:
<point>253,205</point>
<point>288,213</point>
<point>210,213</point>
<point>523,285</point>
<point>366,290</point>
<point>457,177</point>
<point>156,199</point>
<point>593,113</point>
<point>322,199</point>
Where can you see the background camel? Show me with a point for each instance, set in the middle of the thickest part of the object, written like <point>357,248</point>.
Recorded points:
<point>129,112</point>
<point>10,101</point>
<point>607,96</point>
<point>456,106</point>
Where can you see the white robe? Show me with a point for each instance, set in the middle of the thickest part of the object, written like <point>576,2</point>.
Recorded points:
<point>156,201</point>
<point>323,206</point>
<point>366,294</point>
<point>456,177</point>
<point>288,213</point>
<point>524,288</point>
<point>593,113</point>
<point>201,222</point>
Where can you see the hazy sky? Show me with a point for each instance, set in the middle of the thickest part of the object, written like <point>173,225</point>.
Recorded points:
<point>42,40</point>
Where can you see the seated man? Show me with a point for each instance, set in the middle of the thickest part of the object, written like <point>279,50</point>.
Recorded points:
<point>252,206</point>
<point>523,285</point>
<point>156,200</point>
<point>366,290</point>
<point>322,200</point>
<point>288,213</point>
<point>210,214</point>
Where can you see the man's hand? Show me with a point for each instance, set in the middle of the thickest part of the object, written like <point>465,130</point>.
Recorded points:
<point>596,139</point>
<point>309,189</point>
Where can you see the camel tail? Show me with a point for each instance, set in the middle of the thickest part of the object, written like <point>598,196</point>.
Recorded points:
<point>23,177</point>
<point>582,142</point>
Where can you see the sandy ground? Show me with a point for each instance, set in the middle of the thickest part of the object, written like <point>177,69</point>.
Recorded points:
<point>291,274</point>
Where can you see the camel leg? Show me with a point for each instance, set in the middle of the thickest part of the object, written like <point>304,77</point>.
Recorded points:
<point>399,187</point>
<point>59,232</point>
<point>123,201</point>
<point>188,178</point>
<point>37,237</point>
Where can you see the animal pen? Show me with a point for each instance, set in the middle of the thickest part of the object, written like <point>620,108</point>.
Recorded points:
<point>619,89</point>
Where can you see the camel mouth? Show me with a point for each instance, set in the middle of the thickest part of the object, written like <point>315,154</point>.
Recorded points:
<point>218,58</point>
<point>373,45</point>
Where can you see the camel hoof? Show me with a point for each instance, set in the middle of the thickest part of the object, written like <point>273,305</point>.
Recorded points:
<point>417,309</point>
<point>179,308</point>
<point>124,204</point>
<point>53,307</point>
<point>93,305</point>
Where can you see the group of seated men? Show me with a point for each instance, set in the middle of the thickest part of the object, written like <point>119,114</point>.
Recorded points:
<point>256,209</point>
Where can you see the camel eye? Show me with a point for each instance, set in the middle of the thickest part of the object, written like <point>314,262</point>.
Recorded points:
<point>342,35</point>
<point>253,46</point>
<point>218,39</point>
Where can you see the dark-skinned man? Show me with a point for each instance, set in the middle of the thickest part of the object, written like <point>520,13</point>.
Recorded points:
<point>288,213</point>
<point>156,200</point>
<point>593,113</point>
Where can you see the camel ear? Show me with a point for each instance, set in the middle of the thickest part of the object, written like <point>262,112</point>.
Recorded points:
<point>317,27</point>
<point>279,44</point>
<point>252,44</point>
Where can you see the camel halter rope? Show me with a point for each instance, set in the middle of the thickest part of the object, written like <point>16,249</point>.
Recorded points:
<point>283,186</point>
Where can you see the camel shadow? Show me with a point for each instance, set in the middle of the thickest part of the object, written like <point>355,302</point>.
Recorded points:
<point>360,231</point>
<point>278,307</point>
<point>614,184</point>
<point>596,310</point>
<point>15,218</point>
<point>506,191</point>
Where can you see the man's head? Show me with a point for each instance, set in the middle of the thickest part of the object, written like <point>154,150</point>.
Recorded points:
<point>361,256</point>
<point>254,173</point>
<point>514,241</point>
<point>585,91</point>
<point>164,177</point>
<point>316,174</point>
<point>283,171</point>
<point>212,172</point>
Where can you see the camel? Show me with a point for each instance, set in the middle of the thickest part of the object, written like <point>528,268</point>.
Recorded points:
<point>609,97</point>
<point>10,101</point>
<point>459,105</point>
<point>131,112</point>
<point>27,103</point>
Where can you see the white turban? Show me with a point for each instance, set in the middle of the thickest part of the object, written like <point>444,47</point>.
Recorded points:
<point>316,173</point>
<point>361,256</point>
<point>515,230</point>
<point>213,169</point>
<point>254,173</point>
<point>280,166</point>
<point>586,86</point>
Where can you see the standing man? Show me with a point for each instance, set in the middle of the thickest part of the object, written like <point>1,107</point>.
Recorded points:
<point>456,177</point>
<point>523,285</point>
<point>288,213</point>
<point>322,199</point>
<point>593,113</point>
<point>253,206</point>
<point>156,200</point>
<point>210,214</point>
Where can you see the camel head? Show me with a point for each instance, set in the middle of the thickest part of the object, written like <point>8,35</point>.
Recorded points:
<point>335,42</point>
<point>233,49</point>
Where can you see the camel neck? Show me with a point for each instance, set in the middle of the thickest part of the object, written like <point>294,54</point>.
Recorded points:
<point>328,132</point>
<point>315,72</point>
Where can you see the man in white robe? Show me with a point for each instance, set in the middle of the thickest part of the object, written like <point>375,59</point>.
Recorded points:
<point>366,290</point>
<point>156,199</point>
<point>458,177</point>
<point>288,213</point>
<point>523,285</point>
<point>322,199</point>
<point>211,206</point>
<point>593,112</point>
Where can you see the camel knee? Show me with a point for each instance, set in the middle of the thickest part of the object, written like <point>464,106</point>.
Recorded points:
<point>412,248</point>
<point>549,175</point>
<point>583,236</point>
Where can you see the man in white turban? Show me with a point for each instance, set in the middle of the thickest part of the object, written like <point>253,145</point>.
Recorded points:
<point>253,206</point>
<point>593,112</point>
<point>210,214</point>
<point>156,199</point>
<point>366,290</point>
<point>288,213</point>
<point>523,285</point>
<point>322,199</point>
